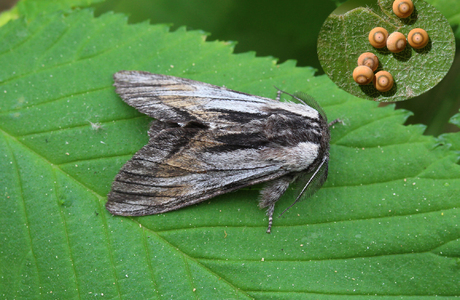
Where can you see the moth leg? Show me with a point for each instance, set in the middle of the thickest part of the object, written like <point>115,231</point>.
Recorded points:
<point>270,211</point>
<point>333,122</point>
<point>271,193</point>
<point>278,95</point>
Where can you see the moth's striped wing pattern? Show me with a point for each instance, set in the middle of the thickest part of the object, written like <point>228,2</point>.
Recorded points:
<point>209,140</point>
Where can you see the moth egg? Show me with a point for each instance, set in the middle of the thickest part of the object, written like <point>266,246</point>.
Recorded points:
<point>363,75</point>
<point>378,37</point>
<point>403,8</point>
<point>368,59</point>
<point>396,42</point>
<point>418,38</point>
<point>383,81</point>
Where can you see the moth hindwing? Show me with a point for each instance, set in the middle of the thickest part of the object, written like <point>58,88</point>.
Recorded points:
<point>207,140</point>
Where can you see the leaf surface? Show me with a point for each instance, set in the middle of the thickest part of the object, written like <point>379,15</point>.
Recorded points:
<point>385,223</point>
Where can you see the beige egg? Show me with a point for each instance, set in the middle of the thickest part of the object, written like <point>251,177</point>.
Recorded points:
<point>403,8</point>
<point>363,75</point>
<point>418,38</point>
<point>396,42</point>
<point>368,59</point>
<point>383,81</point>
<point>378,37</point>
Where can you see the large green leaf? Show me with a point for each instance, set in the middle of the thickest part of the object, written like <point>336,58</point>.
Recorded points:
<point>343,38</point>
<point>385,222</point>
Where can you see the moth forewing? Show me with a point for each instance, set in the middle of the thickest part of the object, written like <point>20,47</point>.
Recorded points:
<point>209,140</point>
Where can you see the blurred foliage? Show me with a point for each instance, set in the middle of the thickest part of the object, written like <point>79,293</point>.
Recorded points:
<point>285,31</point>
<point>7,4</point>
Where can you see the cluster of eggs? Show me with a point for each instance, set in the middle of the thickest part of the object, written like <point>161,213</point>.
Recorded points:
<point>395,42</point>
<point>364,73</point>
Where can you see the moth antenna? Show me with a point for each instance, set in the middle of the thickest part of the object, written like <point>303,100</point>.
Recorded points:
<point>295,97</point>
<point>306,186</point>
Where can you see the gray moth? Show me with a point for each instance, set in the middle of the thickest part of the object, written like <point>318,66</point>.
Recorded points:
<point>208,140</point>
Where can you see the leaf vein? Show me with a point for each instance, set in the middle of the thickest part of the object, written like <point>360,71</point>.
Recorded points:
<point>69,248</point>
<point>26,216</point>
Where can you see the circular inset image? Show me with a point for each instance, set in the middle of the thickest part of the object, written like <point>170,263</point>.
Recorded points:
<point>409,39</point>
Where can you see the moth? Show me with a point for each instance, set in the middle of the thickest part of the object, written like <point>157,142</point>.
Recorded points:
<point>208,140</point>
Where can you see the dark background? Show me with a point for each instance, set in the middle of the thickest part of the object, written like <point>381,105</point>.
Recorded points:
<point>6,4</point>
<point>287,30</point>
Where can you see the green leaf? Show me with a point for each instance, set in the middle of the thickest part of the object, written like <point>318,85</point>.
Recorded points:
<point>343,38</point>
<point>453,139</point>
<point>385,223</point>
<point>6,16</point>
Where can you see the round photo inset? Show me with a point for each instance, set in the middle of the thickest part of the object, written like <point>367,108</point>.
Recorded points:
<point>412,42</point>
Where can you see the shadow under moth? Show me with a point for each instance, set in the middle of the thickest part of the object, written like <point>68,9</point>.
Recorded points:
<point>208,140</point>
